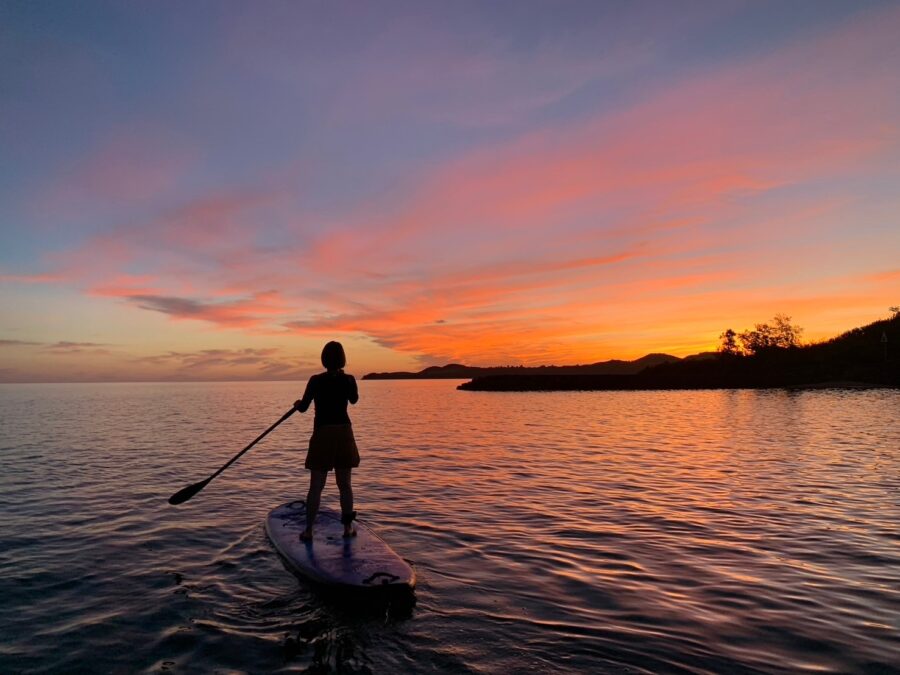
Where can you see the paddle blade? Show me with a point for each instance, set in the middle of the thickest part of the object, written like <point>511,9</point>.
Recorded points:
<point>184,494</point>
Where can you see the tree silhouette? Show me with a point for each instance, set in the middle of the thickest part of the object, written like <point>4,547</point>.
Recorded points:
<point>780,334</point>
<point>729,343</point>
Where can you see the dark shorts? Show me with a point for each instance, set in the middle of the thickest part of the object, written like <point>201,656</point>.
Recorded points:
<point>332,447</point>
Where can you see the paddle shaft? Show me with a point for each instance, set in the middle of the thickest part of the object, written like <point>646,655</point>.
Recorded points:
<point>256,440</point>
<point>187,493</point>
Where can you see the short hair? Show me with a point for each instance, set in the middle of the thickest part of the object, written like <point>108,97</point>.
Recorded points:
<point>333,356</point>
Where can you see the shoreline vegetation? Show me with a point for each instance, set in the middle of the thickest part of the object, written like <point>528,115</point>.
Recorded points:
<point>769,356</point>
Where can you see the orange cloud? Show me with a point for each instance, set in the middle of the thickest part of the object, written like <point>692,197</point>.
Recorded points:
<point>888,276</point>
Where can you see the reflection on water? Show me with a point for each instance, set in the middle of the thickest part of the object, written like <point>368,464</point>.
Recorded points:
<point>551,532</point>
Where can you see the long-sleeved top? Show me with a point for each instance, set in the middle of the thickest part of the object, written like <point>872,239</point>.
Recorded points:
<point>331,393</point>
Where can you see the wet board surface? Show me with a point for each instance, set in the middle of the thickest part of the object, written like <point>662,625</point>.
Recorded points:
<point>363,561</point>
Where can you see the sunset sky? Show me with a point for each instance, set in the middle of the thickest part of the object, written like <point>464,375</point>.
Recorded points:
<point>212,190</point>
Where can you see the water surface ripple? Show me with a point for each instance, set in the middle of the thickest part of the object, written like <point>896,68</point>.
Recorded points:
<point>636,532</point>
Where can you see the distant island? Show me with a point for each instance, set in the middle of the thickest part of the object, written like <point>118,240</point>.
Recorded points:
<point>769,356</point>
<point>457,371</point>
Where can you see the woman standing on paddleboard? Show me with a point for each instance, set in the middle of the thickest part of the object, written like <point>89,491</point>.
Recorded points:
<point>332,445</point>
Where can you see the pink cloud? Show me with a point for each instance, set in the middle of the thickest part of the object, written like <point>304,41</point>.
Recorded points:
<point>32,278</point>
<point>700,150</point>
<point>126,285</point>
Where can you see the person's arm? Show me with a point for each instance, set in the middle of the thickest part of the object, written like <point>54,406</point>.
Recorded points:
<point>302,404</point>
<point>352,390</point>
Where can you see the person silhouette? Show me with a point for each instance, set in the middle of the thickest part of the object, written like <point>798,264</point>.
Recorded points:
<point>332,445</point>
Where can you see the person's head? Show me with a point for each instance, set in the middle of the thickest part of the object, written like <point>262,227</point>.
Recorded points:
<point>333,357</point>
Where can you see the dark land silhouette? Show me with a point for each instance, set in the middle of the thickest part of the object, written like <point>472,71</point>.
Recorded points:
<point>458,371</point>
<point>868,356</point>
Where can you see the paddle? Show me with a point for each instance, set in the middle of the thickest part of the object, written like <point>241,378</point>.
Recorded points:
<point>186,493</point>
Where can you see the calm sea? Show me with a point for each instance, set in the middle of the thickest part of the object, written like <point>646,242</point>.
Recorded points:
<point>635,532</point>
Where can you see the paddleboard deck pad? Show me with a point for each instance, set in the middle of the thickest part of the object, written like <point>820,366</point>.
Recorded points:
<point>362,561</point>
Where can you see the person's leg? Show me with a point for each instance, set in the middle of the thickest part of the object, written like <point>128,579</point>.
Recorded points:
<point>342,478</point>
<point>317,481</point>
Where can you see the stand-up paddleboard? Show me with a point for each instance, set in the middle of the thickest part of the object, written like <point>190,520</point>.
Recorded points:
<point>363,561</point>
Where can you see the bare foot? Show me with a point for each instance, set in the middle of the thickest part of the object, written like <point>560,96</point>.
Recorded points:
<point>349,531</point>
<point>306,535</point>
